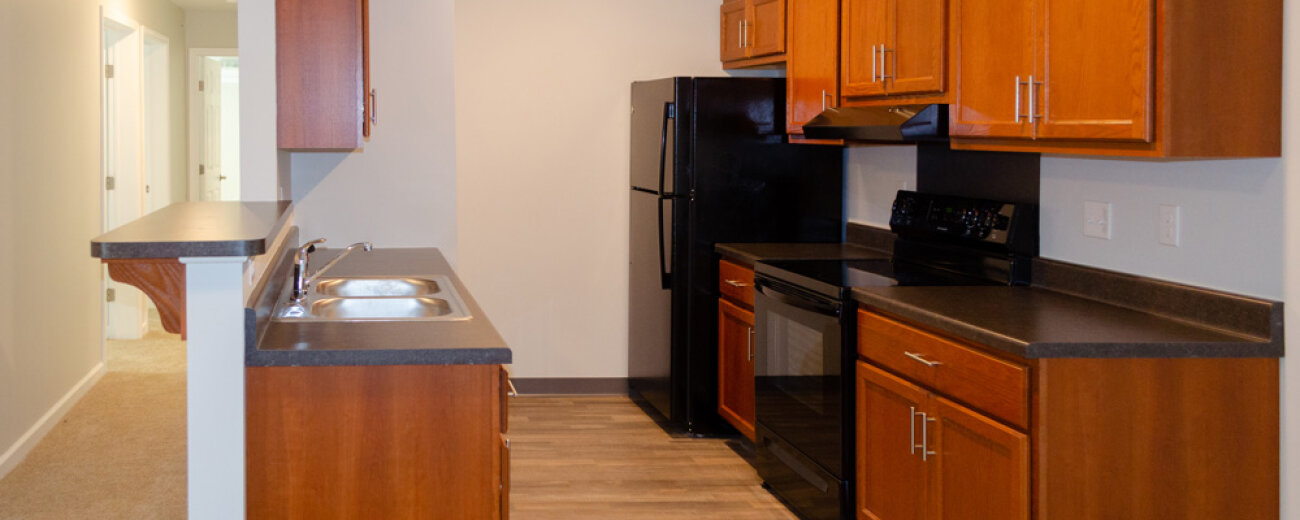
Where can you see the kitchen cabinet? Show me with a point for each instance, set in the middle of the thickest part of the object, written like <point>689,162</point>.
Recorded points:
<point>752,32</point>
<point>921,456</point>
<point>404,441</point>
<point>736,346</point>
<point>323,92</point>
<point>812,60</point>
<point>893,47</point>
<point>1118,77</point>
<point>949,429</point>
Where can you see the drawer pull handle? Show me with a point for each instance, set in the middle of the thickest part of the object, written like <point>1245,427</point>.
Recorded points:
<point>511,392</point>
<point>737,283</point>
<point>922,360</point>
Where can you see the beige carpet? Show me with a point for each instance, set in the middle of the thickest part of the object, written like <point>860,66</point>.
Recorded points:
<point>120,452</point>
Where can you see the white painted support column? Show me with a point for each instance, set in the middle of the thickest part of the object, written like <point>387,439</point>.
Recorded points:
<point>214,322</point>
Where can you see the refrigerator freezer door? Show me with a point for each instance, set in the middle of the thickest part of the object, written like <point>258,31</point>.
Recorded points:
<point>652,135</point>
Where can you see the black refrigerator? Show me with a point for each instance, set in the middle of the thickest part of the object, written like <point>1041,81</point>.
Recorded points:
<point>709,164</point>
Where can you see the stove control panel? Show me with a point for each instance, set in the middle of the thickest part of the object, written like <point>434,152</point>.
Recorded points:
<point>994,225</point>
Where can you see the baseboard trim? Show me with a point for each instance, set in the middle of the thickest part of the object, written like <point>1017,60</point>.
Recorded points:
<point>24,445</point>
<point>570,385</point>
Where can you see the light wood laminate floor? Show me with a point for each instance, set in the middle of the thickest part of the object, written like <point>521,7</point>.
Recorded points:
<point>601,457</point>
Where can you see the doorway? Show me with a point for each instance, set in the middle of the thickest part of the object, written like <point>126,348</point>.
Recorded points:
<point>122,162</point>
<point>214,124</point>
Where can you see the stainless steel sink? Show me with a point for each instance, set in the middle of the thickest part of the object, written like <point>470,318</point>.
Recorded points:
<point>374,298</point>
<point>379,308</point>
<point>375,287</point>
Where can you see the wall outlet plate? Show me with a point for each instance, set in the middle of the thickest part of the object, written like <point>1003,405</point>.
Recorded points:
<point>1170,224</point>
<point>1096,219</point>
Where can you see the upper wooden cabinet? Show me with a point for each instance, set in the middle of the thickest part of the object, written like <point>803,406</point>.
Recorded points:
<point>1054,69</point>
<point>323,74</point>
<point>1118,77</point>
<point>752,32</point>
<point>893,47</point>
<point>812,60</point>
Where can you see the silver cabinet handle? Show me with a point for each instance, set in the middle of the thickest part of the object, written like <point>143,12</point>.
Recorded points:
<point>750,348</point>
<point>873,63</point>
<point>911,441</point>
<point>1033,94</point>
<point>740,33</point>
<point>823,100</point>
<point>925,437</point>
<point>1017,99</point>
<point>511,392</point>
<point>883,64</point>
<point>374,107</point>
<point>737,283</point>
<point>919,357</point>
<point>1031,99</point>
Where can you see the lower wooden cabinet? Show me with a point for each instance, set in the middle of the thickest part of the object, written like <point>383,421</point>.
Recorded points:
<point>408,441</point>
<point>736,367</point>
<point>944,431</point>
<point>921,456</point>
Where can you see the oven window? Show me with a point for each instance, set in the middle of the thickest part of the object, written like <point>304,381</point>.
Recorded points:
<point>797,366</point>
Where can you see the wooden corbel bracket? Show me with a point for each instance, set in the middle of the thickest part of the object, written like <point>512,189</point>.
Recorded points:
<point>162,279</point>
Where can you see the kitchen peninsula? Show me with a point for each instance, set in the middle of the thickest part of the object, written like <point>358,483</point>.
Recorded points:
<point>433,391</point>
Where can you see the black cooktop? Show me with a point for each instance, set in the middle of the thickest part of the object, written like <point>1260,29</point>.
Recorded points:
<point>834,277</point>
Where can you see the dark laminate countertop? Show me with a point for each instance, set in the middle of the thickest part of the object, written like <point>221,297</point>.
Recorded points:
<point>192,229</point>
<point>473,341</point>
<point>749,253</point>
<point>1034,322</point>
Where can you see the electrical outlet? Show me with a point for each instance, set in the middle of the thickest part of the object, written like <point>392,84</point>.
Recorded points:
<point>1170,224</point>
<point>1096,219</point>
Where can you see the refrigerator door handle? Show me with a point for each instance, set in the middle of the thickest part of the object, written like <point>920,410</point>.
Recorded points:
<point>665,277</point>
<point>663,147</point>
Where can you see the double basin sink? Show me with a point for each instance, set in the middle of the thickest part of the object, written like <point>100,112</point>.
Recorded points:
<point>388,298</point>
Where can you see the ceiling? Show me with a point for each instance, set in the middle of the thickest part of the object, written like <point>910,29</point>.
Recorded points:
<point>223,5</point>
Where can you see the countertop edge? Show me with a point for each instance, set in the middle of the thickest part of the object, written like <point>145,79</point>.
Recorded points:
<point>1043,350</point>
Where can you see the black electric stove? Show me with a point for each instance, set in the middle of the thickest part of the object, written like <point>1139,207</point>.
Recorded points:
<point>805,333</point>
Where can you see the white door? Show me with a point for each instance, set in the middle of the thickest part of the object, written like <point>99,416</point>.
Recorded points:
<point>214,124</point>
<point>123,169</point>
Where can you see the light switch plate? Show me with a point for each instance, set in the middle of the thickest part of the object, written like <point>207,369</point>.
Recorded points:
<point>1096,219</point>
<point>1170,224</point>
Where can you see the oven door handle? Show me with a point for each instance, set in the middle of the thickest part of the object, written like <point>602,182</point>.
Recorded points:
<point>819,306</point>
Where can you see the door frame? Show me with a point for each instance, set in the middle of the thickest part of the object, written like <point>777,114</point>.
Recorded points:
<point>194,150</point>
<point>138,319</point>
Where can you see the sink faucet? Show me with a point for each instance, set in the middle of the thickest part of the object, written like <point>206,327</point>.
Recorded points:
<point>300,279</point>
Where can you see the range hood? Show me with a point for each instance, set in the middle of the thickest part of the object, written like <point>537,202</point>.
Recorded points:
<point>896,124</point>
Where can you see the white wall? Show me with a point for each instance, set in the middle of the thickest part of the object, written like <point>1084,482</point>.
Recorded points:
<point>542,108</point>
<point>50,335</point>
<point>401,191</point>
<point>208,29</point>
<point>263,169</point>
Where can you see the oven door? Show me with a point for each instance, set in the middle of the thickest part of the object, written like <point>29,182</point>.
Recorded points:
<point>798,371</point>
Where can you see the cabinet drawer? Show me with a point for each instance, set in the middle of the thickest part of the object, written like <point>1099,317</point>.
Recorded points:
<point>962,373</point>
<point>736,282</point>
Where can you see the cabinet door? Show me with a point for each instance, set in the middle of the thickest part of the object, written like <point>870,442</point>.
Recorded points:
<point>766,32</point>
<point>915,61</point>
<point>892,483</point>
<point>1096,69</point>
<point>733,31</point>
<point>863,32</point>
<point>736,367</point>
<point>320,74</point>
<point>981,471</point>
<point>995,45</point>
<point>812,60</point>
